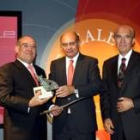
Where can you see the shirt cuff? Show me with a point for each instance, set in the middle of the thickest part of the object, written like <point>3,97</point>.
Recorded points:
<point>29,109</point>
<point>76,93</point>
<point>50,109</point>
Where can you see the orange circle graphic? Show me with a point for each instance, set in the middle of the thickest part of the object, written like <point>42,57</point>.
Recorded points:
<point>97,41</point>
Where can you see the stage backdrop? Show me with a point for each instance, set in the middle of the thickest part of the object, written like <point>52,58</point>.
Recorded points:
<point>97,41</point>
<point>10,30</point>
<point>95,23</point>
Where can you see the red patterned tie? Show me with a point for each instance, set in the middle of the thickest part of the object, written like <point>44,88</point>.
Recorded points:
<point>70,73</point>
<point>32,71</point>
<point>121,73</point>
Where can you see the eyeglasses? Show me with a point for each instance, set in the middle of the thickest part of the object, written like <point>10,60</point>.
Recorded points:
<point>64,45</point>
<point>26,45</point>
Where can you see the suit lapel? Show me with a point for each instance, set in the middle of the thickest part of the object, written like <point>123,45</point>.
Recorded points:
<point>78,68</point>
<point>129,69</point>
<point>63,71</point>
<point>131,63</point>
<point>25,72</point>
<point>114,70</point>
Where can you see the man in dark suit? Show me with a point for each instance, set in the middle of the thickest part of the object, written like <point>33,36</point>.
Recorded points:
<point>78,121</point>
<point>21,117</point>
<point>120,98</point>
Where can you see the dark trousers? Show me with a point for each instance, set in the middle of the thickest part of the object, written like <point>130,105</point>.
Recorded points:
<point>119,132</point>
<point>121,135</point>
<point>70,133</point>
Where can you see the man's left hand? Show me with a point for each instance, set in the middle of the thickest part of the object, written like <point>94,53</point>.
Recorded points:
<point>64,91</point>
<point>124,104</point>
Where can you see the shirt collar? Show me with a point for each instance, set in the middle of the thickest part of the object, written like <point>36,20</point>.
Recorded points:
<point>24,63</point>
<point>74,58</point>
<point>127,56</point>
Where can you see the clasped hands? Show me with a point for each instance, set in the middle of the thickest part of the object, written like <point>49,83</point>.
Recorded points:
<point>124,104</point>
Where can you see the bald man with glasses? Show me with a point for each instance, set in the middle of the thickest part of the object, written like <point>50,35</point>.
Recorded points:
<point>22,120</point>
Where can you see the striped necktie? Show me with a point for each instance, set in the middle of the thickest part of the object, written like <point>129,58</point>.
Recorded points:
<point>32,71</point>
<point>121,73</point>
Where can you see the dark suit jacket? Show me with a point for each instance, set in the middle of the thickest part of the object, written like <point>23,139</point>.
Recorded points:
<point>16,89</point>
<point>87,81</point>
<point>131,89</point>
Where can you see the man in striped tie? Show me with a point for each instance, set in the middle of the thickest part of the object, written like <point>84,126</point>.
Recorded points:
<point>120,99</point>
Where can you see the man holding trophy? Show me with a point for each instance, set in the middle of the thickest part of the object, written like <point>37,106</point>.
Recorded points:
<point>79,80</point>
<point>22,119</point>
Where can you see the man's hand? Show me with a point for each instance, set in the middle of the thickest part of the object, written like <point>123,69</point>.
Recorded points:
<point>108,125</point>
<point>124,104</point>
<point>36,101</point>
<point>64,91</point>
<point>56,110</point>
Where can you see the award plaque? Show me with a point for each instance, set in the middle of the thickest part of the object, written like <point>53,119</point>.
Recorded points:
<point>42,92</point>
<point>46,88</point>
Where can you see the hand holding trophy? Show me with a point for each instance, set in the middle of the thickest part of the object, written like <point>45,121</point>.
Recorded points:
<point>46,89</point>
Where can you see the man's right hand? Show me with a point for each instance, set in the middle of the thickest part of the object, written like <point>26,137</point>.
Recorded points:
<point>56,110</point>
<point>36,101</point>
<point>108,125</point>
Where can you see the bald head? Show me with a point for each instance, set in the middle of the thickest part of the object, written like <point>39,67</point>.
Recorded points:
<point>24,38</point>
<point>125,27</point>
<point>124,38</point>
<point>70,33</point>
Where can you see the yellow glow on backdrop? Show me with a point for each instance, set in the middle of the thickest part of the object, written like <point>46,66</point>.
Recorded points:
<point>97,41</point>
